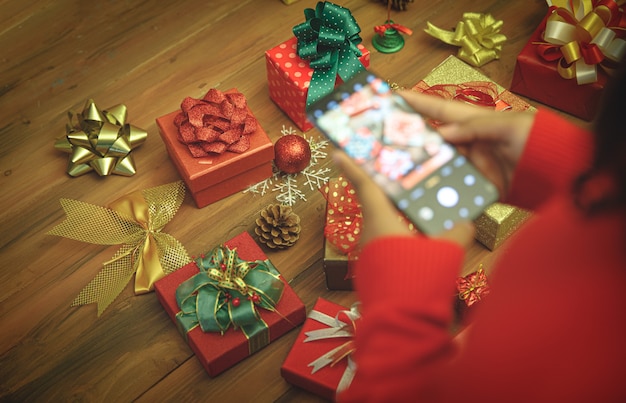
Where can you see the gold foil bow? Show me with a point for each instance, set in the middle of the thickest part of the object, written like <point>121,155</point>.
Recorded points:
<point>101,141</point>
<point>135,221</point>
<point>585,34</point>
<point>336,328</point>
<point>478,36</point>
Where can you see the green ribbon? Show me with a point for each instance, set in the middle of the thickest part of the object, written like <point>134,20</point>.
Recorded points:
<point>227,291</point>
<point>328,39</point>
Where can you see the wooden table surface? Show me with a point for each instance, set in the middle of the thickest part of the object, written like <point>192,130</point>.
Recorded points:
<point>149,55</point>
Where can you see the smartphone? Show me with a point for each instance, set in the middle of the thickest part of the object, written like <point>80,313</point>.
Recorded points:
<point>428,180</point>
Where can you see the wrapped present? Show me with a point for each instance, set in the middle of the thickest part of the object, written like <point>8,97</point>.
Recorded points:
<point>230,303</point>
<point>565,62</point>
<point>217,147</point>
<point>320,359</point>
<point>299,71</point>
<point>498,222</point>
<point>455,79</point>
<point>100,141</point>
<point>341,233</point>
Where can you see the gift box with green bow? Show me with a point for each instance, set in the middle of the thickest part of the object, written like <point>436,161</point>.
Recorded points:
<point>325,50</point>
<point>230,303</point>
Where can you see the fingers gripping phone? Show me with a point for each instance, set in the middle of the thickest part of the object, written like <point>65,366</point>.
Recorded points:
<point>426,178</point>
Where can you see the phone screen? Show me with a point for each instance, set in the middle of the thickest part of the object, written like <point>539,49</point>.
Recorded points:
<point>384,135</point>
<point>425,176</point>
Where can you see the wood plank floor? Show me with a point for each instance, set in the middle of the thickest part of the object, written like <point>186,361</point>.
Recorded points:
<point>149,55</point>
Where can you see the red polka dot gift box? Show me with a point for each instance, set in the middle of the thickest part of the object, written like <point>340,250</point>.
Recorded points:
<point>289,77</point>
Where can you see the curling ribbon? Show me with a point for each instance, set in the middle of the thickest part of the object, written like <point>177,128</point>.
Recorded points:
<point>328,39</point>
<point>101,141</point>
<point>336,329</point>
<point>582,35</point>
<point>227,291</point>
<point>135,221</point>
<point>476,34</point>
<point>381,29</point>
<point>473,287</point>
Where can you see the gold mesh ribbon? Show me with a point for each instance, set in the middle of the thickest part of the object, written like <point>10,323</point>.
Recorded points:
<point>135,221</point>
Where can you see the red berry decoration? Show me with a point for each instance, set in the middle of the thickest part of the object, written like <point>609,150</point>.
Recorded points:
<point>223,266</point>
<point>256,299</point>
<point>236,302</point>
<point>292,153</point>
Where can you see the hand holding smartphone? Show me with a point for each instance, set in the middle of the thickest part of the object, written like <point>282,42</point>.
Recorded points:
<point>425,177</point>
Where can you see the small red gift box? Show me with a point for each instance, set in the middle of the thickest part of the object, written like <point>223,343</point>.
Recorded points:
<point>219,352</point>
<point>288,78</point>
<point>539,79</point>
<point>298,366</point>
<point>213,178</point>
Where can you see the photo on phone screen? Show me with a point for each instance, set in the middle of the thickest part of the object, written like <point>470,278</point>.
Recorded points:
<point>429,181</point>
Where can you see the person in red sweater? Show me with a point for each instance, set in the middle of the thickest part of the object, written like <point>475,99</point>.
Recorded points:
<point>553,328</point>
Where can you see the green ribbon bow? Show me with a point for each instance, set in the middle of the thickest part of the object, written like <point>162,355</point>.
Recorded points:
<point>228,291</point>
<point>328,39</point>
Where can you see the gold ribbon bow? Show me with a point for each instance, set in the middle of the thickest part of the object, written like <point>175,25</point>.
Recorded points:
<point>584,33</point>
<point>135,221</point>
<point>101,141</point>
<point>476,34</point>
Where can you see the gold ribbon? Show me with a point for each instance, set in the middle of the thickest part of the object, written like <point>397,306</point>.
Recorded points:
<point>585,34</point>
<point>478,36</point>
<point>101,141</point>
<point>135,221</point>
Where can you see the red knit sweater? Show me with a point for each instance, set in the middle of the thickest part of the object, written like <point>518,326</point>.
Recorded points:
<point>553,327</point>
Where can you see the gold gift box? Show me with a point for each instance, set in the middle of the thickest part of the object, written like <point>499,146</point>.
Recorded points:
<point>497,223</point>
<point>499,220</point>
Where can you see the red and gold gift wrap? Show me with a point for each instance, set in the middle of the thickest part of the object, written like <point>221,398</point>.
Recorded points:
<point>217,352</point>
<point>569,58</point>
<point>218,175</point>
<point>320,360</point>
<point>341,233</point>
<point>289,76</point>
<point>455,79</point>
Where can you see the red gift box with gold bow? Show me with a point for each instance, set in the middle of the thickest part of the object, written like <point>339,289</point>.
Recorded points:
<point>218,351</point>
<point>320,359</point>
<point>216,145</point>
<point>565,62</point>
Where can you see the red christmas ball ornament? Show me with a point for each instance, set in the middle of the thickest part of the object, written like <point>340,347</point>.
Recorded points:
<point>292,153</point>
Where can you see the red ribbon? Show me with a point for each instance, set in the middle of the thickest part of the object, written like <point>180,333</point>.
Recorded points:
<point>216,123</point>
<point>473,287</point>
<point>381,29</point>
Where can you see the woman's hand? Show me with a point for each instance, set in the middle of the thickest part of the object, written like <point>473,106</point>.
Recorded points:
<point>493,141</point>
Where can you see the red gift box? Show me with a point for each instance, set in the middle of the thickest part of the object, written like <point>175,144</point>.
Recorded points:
<point>219,352</point>
<point>288,79</point>
<point>210,179</point>
<point>539,79</point>
<point>296,369</point>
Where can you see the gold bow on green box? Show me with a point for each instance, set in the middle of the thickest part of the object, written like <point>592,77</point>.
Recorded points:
<point>135,221</point>
<point>100,141</point>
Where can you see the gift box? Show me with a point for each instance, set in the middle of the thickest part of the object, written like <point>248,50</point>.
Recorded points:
<point>289,76</point>
<point>498,222</point>
<point>341,233</point>
<point>454,78</point>
<point>313,362</point>
<point>218,351</point>
<point>538,66</point>
<point>217,176</point>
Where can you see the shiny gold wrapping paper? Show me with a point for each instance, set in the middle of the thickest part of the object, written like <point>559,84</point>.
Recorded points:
<point>497,223</point>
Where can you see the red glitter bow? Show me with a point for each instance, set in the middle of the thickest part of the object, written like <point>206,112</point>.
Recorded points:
<point>473,287</point>
<point>216,123</point>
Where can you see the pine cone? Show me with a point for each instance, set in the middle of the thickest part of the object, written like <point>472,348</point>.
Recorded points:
<point>398,4</point>
<point>278,227</point>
